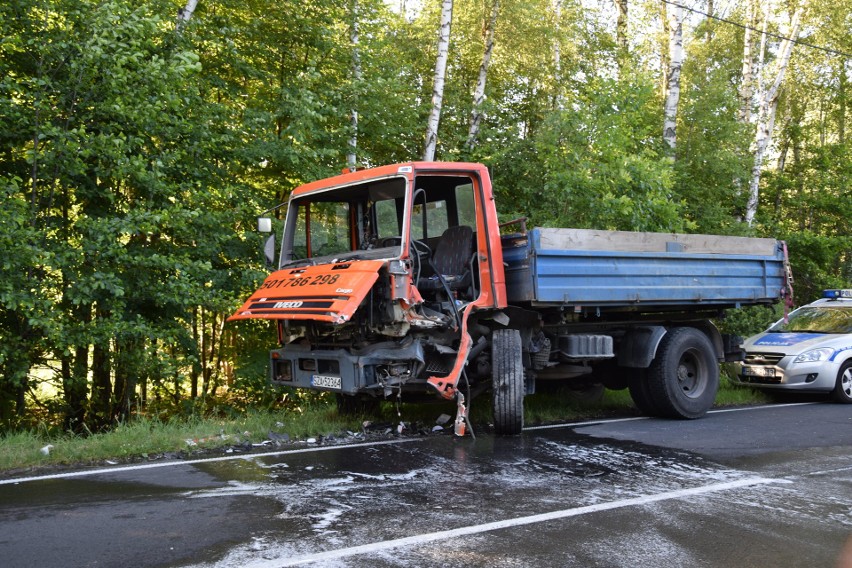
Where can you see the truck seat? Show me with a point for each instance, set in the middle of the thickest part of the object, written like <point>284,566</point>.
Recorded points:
<point>451,260</point>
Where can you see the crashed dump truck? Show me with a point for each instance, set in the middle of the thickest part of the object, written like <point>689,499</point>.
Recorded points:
<point>400,281</point>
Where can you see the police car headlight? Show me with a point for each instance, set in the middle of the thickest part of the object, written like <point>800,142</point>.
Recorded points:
<point>815,355</point>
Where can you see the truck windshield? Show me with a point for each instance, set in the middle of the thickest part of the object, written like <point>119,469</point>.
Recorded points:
<point>322,229</point>
<point>356,222</point>
<point>817,319</point>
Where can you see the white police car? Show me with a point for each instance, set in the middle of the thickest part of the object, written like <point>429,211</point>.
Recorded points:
<point>810,352</point>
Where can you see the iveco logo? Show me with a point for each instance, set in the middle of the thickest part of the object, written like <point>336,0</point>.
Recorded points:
<point>285,305</point>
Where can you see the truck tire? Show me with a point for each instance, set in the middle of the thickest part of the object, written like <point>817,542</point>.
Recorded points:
<point>684,376</point>
<point>640,392</point>
<point>507,375</point>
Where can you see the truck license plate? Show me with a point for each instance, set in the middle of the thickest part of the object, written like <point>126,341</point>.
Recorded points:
<point>325,381</point>
<point>759,371</point>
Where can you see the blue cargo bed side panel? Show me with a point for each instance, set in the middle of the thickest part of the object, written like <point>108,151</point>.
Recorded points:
<point>654,278</point>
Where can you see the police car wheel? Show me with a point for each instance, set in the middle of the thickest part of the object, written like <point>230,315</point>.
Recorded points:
<point>843,389</point>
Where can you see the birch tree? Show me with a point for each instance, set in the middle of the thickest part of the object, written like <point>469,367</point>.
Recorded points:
<point>673,77</point>
<point>479,91</point>
<point>185,13</point>
<point>746,84</point>
<point>766,113</point>
<point>621,26</point>
<point>351,156</point>
<point>438,82</point>
<point>557,53</point>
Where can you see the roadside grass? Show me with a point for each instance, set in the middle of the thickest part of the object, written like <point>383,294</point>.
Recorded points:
<point>145,438</point>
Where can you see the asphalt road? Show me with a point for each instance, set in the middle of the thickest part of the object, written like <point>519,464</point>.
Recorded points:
<point>763,487</point>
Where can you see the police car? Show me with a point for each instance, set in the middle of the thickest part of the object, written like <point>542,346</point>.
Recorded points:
<point>810,352</point>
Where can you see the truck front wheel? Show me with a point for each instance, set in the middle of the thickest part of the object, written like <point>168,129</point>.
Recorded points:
<point>507,375</point>
<point>684,376</point>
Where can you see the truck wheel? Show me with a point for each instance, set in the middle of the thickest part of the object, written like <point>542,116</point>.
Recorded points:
<point>684,376</point>
<point>843,389</point>
<point>640,392</point>
<point>507,372</point>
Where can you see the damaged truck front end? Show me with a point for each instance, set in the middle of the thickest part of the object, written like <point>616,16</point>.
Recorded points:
<point>365,304</point>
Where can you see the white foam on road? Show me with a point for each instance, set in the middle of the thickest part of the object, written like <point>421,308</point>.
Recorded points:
<point>417,540</point>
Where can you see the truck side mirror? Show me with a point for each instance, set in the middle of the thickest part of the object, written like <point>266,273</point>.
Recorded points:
<point>264,225</point>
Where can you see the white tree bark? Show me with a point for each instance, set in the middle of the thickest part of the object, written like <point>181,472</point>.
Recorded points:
<point>351,156</point>
<point>185,13</point>
<point>557,55</point>
<point>479,91</point>
<point>673,83</point>
<point>766,115</point>
<point>438,83</point>
<point>621,25</point>
<point>748,64</point>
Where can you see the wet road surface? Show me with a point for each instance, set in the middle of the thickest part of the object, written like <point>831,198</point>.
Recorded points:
<point>770,486</point>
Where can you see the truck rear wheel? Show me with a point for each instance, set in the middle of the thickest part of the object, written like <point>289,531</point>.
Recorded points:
<point>507,375</point>
<point>684,376</point>
<point>640,392</point>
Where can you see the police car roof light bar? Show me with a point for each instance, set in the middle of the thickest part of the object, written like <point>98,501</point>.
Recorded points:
<point>836,294</point>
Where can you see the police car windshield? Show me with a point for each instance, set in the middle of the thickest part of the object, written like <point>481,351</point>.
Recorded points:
<point>818,319</point>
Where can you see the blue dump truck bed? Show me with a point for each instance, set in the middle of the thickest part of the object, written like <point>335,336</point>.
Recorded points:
<point>577,267</point>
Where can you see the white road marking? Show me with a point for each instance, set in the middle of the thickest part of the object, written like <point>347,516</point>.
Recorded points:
<point>427,538</point>
<point>763,407</point>
<point>587,423</point>
<point>635,418</point>
<point>139,467</point>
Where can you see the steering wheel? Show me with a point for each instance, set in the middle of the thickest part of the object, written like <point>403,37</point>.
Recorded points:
<point>390,241</point>
<point>422,248</point>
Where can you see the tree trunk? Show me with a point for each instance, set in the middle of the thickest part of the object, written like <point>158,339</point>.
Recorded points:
<point>185,13</point>
<point>14,371</point>
<point>559,102</point>
<point>438,83</point>
<point>195,370</point>
<point>766,116</point>
<point>746,83</point>
<point>665,50</point>
<point>128,355</point>
<point>622,45</point>
<point>479,91</point>
<point>710,21</point>
<point>673,76</point>
<point>352,157</point>
<point>841,94</point>
<point>75,388</point>
<point>101,383</point>
<point>621,29</point>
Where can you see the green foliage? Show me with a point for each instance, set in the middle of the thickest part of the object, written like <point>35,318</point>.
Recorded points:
<point>603,162</point>
<point>751,320</point>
